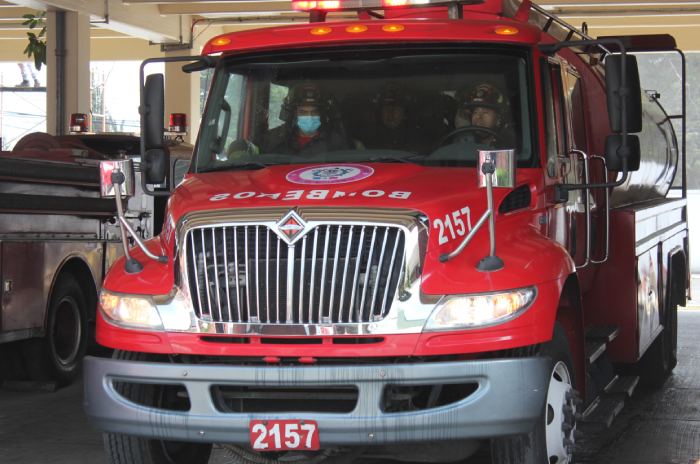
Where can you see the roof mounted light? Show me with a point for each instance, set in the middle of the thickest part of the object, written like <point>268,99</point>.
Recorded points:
<point>358,5</point>
<point>307,5</point>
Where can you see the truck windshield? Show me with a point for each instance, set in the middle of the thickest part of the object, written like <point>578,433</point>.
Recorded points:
<point>429,106</point>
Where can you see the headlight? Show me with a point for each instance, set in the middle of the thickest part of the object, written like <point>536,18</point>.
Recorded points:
<point>130,311</point>
<point>469,311</point>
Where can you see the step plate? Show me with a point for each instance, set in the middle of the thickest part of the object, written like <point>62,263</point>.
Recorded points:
<point>606,334</point>
<point>622,385</point>
<point>603,411</point>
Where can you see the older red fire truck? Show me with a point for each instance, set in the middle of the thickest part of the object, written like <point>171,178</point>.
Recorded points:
<point>399,235</point>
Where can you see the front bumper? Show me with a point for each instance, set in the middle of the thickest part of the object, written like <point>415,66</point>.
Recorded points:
<point>508,400</point>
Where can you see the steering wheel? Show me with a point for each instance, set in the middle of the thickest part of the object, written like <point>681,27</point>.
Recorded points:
<point>466,130</point>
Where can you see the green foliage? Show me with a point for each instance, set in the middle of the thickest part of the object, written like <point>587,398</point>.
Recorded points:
<point>37,42</point>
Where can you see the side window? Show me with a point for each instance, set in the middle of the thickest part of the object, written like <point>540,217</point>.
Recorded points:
<point>227,126</point>
<point>277,96</point>
<point>555,133</point>
<point>574,94</point>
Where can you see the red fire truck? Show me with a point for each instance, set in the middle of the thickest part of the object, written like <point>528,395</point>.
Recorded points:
<point>57,239</point>
<point>400,235</point>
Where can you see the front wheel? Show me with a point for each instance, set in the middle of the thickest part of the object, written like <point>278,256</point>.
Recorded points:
<point>125,449</point>
<point>551,441</point>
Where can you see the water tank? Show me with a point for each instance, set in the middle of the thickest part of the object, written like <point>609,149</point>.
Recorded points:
<point>659,160</point>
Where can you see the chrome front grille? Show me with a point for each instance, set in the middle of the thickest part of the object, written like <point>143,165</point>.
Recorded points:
<point>336,273</point>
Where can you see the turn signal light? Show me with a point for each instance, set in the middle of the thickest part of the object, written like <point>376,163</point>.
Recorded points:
<point>393,28</point>
<point>221,41</point>
<point>506,30</point>
<point>321,30</point>
<point>356,29</point>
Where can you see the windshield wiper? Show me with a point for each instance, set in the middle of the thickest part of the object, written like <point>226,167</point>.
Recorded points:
<point>250,166</point>
<point>411,159</point>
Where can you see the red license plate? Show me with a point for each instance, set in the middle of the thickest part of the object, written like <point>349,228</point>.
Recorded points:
<point>277,435</point>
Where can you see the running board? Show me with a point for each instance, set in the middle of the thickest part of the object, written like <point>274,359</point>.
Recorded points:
<point>603,410</point>
<point>597,339</point>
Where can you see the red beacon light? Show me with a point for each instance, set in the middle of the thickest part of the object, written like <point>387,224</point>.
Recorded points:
<point>307,5</point>
<point>178,123</point>
<point>79,123</point>
<point>352,5</point>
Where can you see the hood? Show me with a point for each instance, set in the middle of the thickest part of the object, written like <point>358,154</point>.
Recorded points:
<point>430,190</point>
<point>448,197</point>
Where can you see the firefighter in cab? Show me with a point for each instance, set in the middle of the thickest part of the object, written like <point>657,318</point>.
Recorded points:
<point>311,126</point>
<point>481,116</point>
<point>403,122</point>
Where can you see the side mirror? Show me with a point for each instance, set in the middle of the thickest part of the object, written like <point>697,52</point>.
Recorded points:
<point>153,111</point>
<point>154,166</point>
<point>630,90</point>
<point>111,172</point>
<point>615,151</point>
<point>504,163</point>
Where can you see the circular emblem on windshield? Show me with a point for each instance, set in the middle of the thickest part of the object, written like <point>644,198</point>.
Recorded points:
<point>330,174</point>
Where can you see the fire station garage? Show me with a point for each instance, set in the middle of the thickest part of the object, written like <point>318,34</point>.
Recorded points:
<point>219,240</point>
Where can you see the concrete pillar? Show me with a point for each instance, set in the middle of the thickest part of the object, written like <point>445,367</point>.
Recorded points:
<point>67,68</point>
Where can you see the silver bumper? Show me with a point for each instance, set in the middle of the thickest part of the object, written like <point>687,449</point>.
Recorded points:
<point>509,398</point>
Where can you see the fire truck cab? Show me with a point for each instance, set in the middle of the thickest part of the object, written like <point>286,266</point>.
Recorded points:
<point>399,235</point>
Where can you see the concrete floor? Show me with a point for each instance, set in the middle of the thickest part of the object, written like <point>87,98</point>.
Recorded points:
<point>660,427</point>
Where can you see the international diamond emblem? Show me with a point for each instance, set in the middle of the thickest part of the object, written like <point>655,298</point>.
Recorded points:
<point>291,227</point>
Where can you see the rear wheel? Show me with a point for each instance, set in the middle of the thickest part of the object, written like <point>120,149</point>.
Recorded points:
<point>58,355</point>
<point>661,358</point>
<point>551,440</point>
<point>125,449</point>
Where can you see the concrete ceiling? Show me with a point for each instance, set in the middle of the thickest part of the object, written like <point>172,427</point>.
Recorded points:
<point>173,21</point>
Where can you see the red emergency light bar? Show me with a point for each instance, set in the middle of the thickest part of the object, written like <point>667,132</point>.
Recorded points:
<point>357,5</point>
<point>178,122</point>
<point>79,122</point>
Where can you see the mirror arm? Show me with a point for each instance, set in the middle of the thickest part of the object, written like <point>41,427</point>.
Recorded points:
<point>132,265</point>
<point>146,251</point>
<point>491,262</point>
<point>562,190</point>
<point>482,220</point>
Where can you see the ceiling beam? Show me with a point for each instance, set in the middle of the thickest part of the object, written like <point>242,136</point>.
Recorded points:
<point>143,21</point>
<point>208,8</point>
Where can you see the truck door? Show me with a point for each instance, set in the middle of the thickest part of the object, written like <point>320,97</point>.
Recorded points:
<point>583,200</point>
<point>565,144</point>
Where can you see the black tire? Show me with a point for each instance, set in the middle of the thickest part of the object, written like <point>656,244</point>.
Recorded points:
<point>532,448</point>
<point>59,354</point>
<point>661,358</point>
<point>125,449</point>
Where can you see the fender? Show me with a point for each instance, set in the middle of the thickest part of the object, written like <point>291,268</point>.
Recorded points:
<point>155,278</point>
<point>529,258</point>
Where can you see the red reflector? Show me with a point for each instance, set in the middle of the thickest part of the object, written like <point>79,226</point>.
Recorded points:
<point>79,122</point>
<point>307,360</point>
<point>390,3</point>
<point>178,122</point>
<point>272,359</point>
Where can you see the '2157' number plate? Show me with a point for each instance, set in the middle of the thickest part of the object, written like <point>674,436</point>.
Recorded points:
<point>276,435</point>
